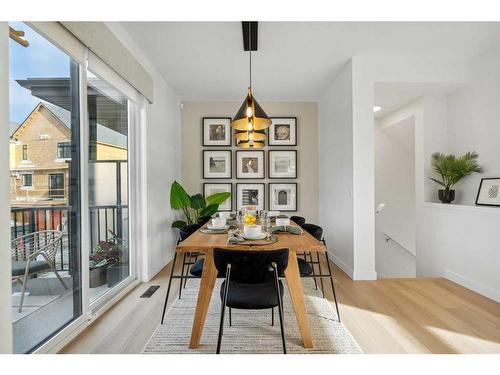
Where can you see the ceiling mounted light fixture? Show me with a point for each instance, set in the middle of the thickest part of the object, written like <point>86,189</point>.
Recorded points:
<point>250,120</point>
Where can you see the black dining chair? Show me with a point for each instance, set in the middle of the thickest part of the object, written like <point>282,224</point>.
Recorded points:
<point>299,220</point>
<point>317,232</point>
<point>188,261</point>
<point>251,282</point>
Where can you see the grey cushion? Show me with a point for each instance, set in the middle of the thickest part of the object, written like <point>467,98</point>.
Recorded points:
<point>197,268</point>
<point>304,267</point>
<point>19,267</point>
<point>251,296</point>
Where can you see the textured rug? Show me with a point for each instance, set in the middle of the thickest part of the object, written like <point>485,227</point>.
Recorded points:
<point>251,331</point>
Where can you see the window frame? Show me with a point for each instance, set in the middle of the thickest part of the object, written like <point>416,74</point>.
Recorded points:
<point>23,185</point>
<point>63,146</point>
<point>24,153</point>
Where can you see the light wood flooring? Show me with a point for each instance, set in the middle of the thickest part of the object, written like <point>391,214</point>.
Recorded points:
<point>426,315</point>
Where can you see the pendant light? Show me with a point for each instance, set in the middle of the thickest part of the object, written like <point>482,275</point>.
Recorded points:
<point>250,121</point>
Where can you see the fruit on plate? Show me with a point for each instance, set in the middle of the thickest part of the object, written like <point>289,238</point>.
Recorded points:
<point>249,219</point>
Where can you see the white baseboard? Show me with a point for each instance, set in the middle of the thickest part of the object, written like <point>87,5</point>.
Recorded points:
<point>480,288</point>
<point>344,267</point>
<point>365,275</point>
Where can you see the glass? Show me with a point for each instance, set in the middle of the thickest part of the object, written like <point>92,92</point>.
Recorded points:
<point>108,186</point>
<point>44,191</point>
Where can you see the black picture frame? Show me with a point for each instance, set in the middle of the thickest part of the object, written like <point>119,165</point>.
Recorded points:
<point>218,177</point>
<point>274,143</point>
<point>479,192</point>
<point>221,183</point>
<point>238,207</point>
<point>269,175</point>
<point>227,143</point>
<point>263,169</point>
<point>269,196</point>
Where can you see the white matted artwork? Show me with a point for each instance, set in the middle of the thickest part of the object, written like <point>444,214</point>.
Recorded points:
<point>282,164</point>
<point>283,131</point>
<point>250,164</point>
<point>216,131</point>
<point>250,195</point>
<point>283,197</point>
<point>211,188</point>
<point>489,192</point>
<point>217,164</point>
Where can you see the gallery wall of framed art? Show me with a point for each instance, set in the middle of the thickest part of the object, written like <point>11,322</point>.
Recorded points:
<point>282,176</point>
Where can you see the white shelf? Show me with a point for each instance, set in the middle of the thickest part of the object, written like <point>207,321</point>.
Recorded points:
<point>462,207</point>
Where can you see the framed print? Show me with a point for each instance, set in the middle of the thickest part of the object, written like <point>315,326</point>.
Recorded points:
<point>282,164</point>
<point>282,197</point>
<point>220,187</point>
<point>217,164</point>
<point>250,195</point>
<point>250,164</point>
<point>216,131</point>
<point>283,131</point>
<point>489,192</point>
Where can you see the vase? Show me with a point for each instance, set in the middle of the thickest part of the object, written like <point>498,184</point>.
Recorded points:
<point>446,196</point>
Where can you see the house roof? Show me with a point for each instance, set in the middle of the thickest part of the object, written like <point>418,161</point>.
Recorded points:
<point>104,134</point>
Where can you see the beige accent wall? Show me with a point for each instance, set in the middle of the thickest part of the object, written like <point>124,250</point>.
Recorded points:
<point>307,149</point>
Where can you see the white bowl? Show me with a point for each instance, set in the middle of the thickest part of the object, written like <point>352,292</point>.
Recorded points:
<point>252,231</point>
<point>218,223</point>
<point>224,215</point>
<point>282,221</point>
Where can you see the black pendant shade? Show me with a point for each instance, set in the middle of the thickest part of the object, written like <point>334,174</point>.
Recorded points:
<point>259,121</point>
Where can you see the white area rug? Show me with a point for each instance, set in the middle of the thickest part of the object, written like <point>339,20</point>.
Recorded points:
<point>251,331</point>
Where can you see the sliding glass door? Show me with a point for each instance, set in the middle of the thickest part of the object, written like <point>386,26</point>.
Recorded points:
<point>44,190</point>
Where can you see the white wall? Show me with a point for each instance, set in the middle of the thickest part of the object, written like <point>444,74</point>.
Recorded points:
<point>307,149</point>
<point>336,169</point>
<point>163,139</point>
<point>395,187</point>
<point>5,256</point>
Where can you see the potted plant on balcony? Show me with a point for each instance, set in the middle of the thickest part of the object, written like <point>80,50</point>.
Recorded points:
<point>451,170</point>
<point>195,206</point>
<point>105,263</point>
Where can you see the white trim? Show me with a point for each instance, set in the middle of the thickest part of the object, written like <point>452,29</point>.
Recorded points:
<point>463,207</point>
<point>344,267</point>
<point>365,275</point>
<point>477,287</point>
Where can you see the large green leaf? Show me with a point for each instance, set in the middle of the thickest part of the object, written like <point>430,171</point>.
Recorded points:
<point>179,224</point>
<point>198,201</point>
<point>209,210</point>
<point>178,196</point>
<point>218,198</point>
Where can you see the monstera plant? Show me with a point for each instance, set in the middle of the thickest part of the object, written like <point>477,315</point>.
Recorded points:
<point>194,206</point>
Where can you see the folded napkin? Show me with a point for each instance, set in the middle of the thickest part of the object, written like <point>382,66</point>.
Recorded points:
<point>286,228</point>
<point>234,237</point>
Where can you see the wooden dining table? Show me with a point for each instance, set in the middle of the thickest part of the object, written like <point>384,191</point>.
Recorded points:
<point>205,243</point>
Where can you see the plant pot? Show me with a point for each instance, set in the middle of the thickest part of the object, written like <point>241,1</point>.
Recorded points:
<point>98,277</point>
<point>446,196</point>
<point>115,274</point>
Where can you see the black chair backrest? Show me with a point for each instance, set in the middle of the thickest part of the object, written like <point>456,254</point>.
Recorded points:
<point>202,220</point>
<point>188,230</point>
<point>314,230</point>
<point>250,267</point>
<point>299,220</point>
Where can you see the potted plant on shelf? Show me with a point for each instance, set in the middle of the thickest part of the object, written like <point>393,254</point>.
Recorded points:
<point>451,170</point>
<point>195,206</point>
<point>105,262</point>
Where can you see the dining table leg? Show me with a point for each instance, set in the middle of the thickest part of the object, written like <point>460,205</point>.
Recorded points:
<point>208,277</point>
<point>294,283</point>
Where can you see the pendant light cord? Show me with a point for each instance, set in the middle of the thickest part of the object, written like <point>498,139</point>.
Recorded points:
<point>250,48</point>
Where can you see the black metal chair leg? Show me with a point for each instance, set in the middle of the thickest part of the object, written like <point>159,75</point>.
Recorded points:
<point>230,318</point>
<point>187,270</point>
<point>280,306</point>
<point>168,289</point>
<point>272,316</point>
<point>224,302</point>
<point>313,270</point>
<point>331,281</point>
<point>321,273</point>
<point>182,274</point>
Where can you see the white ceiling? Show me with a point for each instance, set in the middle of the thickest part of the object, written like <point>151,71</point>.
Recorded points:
<point>295,60</point>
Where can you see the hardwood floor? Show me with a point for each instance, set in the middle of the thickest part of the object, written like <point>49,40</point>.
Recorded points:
<point>426,315</point>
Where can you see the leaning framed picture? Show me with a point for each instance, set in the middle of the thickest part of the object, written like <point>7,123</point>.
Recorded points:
<point>283,131</point>
<point>250,164</point>
<point>217,164</point>
<point>216,131</point>
<point>282,196</point>
<point>210,188</point>
<point>250,195</point>
<point>489,192</point>
<point>282,164</point>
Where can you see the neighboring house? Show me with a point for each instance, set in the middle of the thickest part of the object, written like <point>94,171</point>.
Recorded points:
<point>40,153</point>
